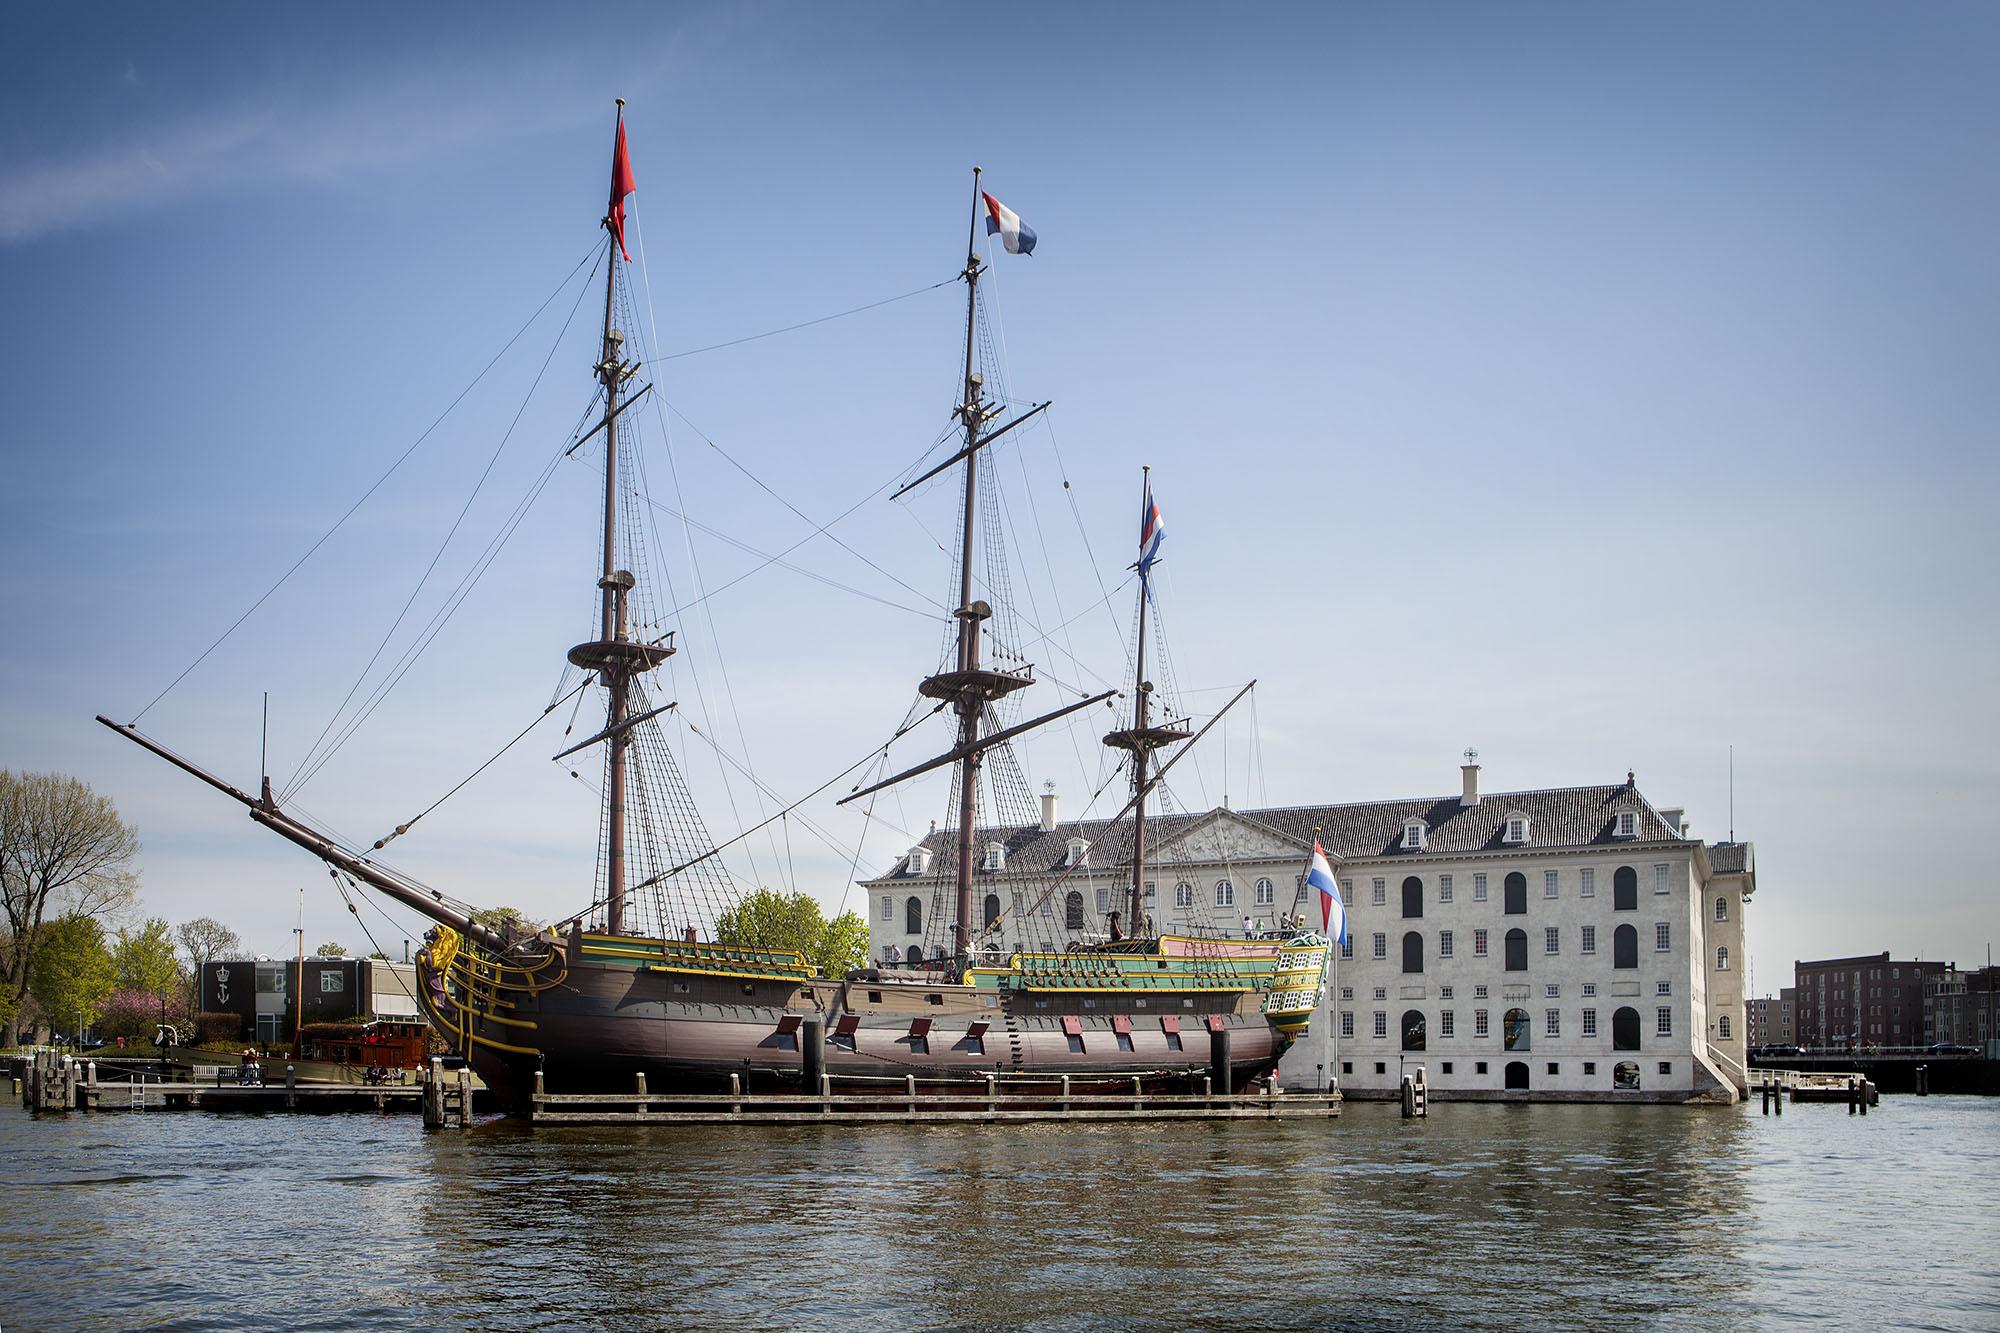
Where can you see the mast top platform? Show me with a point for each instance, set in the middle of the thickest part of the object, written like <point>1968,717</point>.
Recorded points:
<point>979,682</point>
<point>621,654</point>
<point>1140,739</point>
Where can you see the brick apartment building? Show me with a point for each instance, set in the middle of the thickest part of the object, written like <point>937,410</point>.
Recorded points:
<point>1872,1000</point>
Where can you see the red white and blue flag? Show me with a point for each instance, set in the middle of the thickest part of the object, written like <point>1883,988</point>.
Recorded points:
<point>1332,912</point>
<point>1016,235</point>
<point>1152,531</point>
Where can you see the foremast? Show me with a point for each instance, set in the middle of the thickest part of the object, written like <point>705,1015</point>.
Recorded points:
<point>614,655</point>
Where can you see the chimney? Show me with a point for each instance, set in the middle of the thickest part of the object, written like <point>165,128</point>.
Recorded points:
<point>1470,771</point>
<point>1049,808</point>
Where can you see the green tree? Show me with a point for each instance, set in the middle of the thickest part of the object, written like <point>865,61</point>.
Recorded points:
<point>330,949</point>
<point>72,973</point>
<point>767,919</point>
<point>63,852</point>
<point>145,958</point>
<point>506,920</point>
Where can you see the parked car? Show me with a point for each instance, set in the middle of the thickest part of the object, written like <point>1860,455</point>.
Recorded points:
<point>1953,1048</point>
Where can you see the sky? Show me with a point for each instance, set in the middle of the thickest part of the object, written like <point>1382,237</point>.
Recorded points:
<point>1604,388</point>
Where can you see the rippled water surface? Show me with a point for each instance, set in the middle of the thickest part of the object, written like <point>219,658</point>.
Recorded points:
<point>1527,1217</point>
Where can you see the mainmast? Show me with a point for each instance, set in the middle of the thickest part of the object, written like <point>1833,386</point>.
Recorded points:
<point>1142,738</point>
<point>614,655</point>
<point>968,687</point>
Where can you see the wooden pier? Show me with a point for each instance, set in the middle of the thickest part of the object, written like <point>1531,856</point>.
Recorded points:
<point>993,1101</point>
<point>62,1083</point>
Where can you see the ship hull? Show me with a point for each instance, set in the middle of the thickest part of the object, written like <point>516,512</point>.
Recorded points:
<point>605,1024</point>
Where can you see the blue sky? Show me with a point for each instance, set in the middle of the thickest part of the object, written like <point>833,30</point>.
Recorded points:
<point>1600,388</point>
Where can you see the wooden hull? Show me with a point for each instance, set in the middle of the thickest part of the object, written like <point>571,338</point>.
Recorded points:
<point>604,1024</point>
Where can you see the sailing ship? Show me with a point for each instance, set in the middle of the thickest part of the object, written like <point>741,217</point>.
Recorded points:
<point>637,983</point>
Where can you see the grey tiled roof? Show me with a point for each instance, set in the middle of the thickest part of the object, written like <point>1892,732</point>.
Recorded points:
<point>1559,818</point>
<point>1729,858</point>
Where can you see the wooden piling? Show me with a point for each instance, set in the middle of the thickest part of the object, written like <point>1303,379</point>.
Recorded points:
<point>1219,1074</point>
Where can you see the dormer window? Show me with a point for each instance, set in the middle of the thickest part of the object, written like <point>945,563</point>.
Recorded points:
<point>1413,835</point>
<point>996,857</point>
<point>1516,829</point>
<point>918,862</point>
<point>1079,852</point>
<point>1625,824</point>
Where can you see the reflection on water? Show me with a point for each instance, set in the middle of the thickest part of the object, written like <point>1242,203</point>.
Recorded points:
<point>1481,1217</point>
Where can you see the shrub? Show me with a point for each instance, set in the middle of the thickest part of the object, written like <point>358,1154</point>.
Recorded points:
<point>219,1027</point>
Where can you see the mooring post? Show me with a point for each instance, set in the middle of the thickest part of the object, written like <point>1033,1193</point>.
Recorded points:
<point>1138,1098</point>
<point>910,1090</point>
<point>538,1085</point>
<point>989,1094</point>
<point>1065,1094</point>
<point>1923,1080</point>
<point>1853,1094</point>
<point>639,1086</point>
<point>1766,1089</point>
<point>812,1052</point>
<point>1865,1088</point>
<point>736,1090</point>
<point>825,1091</point>
<point>464,1098</point>
<point>1218,1061</point>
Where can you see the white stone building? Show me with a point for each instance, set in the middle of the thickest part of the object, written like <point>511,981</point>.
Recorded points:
<point>1565,944</point>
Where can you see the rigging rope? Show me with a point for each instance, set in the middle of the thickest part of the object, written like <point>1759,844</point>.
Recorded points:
<point>378,483</point>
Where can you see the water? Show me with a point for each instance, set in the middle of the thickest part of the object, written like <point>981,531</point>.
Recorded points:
<point>1488,1217</point>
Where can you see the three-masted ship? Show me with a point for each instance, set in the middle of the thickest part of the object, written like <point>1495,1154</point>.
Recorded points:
<point>613,992</point>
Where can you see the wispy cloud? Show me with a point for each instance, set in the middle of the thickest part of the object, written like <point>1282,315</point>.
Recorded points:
<point>372,123</point>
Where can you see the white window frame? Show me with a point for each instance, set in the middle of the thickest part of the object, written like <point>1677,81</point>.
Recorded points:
<point>1381,945</point>
<point>1722,1027</point>
<point>1663,1022</point>
<point>1625,824</point>
<point>1413,835</point>
<point>1444,944</point>
<point>1479,887</point>
<point>1661,871</point>
<point>1549,884</point>
<point>1225,893</point>
<point>1379,894</point>
<point>1347,1023</point>
<point>1267,893</point>
<point>1722,909</point>
<point>1381,1024</point>
<point>888,909</point>
<point>1663,937</point>
<point>1589,941</point>
<point>1183,895</point>
<point>1586,883</point>
<point>1479,942</point>
<point>1722,958</point>
<point>996,856</point>
<point>1447,1023</point>
<point>1552,1024</point>
<point>1479,1024</point>
<point>1590,1022</point>
<point>1551,940</point>
<point>1444,888</point>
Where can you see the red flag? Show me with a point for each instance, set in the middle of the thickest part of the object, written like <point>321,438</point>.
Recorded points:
<point>621,185</point>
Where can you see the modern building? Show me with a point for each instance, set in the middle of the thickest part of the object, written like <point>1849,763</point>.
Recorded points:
<point>1774,1020</point>
<point>261,992</point>
<point>1564,944</point>
<point>1870,1000</point>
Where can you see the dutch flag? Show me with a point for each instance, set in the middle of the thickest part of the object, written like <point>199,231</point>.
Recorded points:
<point>1016,235</point>
<point>1152,531</point>
<point>1332,912</point>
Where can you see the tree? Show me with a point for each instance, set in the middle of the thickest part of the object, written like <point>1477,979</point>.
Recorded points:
<point>72,974</point>
<point>770,920</point>
<point>62,846</point>
<point>507,921</point>
<point>205,940</point>
<point>145,958</point>
<point>330,950</point>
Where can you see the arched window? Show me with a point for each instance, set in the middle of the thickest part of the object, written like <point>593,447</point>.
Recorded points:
<point>1625,890</point>
<point>1516,894</point>
<point>1517,1076</point>
<point>992,908</point>
<point>1722,909</point>
<point>1514,1030</point>
<point>914,956</point>
<point>1073,911</point>
<point>1413,1029</point>
<point>1225,893</point>
<point>913,916</point>
<point>1517,950</point>
<point>1267,893</point>
<point>1722,959</point>
<point>1413,952</point>
<point>1184,895</point>
<point>1625,1029</point>
<point>1625,947</point>
<point>1413,897</point>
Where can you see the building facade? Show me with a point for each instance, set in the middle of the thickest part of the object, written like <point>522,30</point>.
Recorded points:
<point>1565,944</point>
<point>1870,1000</point>
<point>1960,1009</point>
<point>1774,1019</point>
<point>261,992</point>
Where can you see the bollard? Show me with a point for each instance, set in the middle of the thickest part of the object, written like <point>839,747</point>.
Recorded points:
<point>639,1084</point>
<point>826,1092</point>
<point>989,1093</point>
<point>291,1086</point>
<point>1781,1099</point>
<point>1065,1094</point>
<point>910,1089</point>
<point>464,1098</point>
<point>1853,1094</point>
<point>812,1052</point>
<point>735,1090</point>
<point>1218,1061</point>
<point>538,1085</point>
<point>1864,1088</point>
<point>1138,1100</point>
<point>1767,1099</point>
<point>1923,1080</point>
